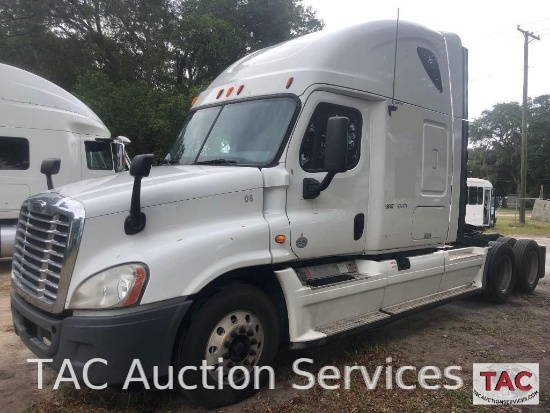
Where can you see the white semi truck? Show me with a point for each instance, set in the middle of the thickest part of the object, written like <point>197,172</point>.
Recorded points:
<point>316,189</point>
<point>40,120</point>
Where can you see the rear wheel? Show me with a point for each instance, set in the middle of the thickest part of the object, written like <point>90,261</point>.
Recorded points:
<point>507,240</point>
<point>526,254</point>
<point>236,330</point>
<point>500,273</point>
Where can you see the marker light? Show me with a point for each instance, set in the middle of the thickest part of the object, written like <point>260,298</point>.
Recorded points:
<point>289,82</point>
<point>280,239</point>
<point>219,94</point>
<point>240,89</point>
<point>194,101</point>
<point>229,91</point>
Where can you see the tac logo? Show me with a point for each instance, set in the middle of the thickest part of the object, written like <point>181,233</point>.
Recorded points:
<point>506,383</point>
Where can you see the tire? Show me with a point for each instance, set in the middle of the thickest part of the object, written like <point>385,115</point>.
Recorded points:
<point>238,323</point>
<point>508,240</point>
<point>542,261</point>
<point>526,255</point>
<point>500,273</point>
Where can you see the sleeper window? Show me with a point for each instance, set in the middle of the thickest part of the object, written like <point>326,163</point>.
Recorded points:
<point>14,153</point>
<point>429,61</point>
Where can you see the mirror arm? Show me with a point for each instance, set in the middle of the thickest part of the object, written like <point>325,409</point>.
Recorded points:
<point>49,181</point>
<point>312,187</point>
<point>136,221</point>
<point>140,168</point>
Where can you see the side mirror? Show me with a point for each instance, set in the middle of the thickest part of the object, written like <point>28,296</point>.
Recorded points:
<point>336,145</point>
<point>336,156</point>
<point>120,157</point>
<point>140,168</point>
<point>119,154</point>
<point>50,167</point>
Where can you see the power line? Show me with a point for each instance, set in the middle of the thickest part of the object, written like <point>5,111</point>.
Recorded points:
<point>511,27</point>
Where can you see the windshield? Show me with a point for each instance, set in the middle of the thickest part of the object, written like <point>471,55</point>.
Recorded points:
<point>244,133</point>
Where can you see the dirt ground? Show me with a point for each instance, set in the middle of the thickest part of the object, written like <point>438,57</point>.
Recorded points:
<point>460,333</point>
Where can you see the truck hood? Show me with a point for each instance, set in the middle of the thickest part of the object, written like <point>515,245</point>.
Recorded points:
<point>165,184</point>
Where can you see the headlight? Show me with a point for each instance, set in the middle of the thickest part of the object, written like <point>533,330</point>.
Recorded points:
<point>119,286</point>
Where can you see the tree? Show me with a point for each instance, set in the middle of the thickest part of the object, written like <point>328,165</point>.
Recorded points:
<point>498,131</point>
<point>495,140</point>
<point>149,117</point>
<point>538,144</point>
<point>137,63</point>
<point>210,35</point>
<point>203,46</point>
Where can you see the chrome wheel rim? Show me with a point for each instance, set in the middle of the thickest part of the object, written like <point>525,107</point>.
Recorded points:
<point>238,340</point>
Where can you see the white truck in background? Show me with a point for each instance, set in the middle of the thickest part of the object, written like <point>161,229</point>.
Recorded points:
<point>40,120</point>
<point>481,204</point>
<point>316,189</point>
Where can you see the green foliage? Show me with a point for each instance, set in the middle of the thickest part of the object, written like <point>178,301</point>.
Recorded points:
<point>149,117</point>
<point>137,63</point>
<point>495,150</point>
<point>203,46</point>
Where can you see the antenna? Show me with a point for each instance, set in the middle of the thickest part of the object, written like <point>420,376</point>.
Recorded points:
<point>393,107</point>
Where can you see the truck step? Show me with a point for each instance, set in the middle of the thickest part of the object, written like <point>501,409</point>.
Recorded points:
<point>351,323</point>
<point>430,299</point>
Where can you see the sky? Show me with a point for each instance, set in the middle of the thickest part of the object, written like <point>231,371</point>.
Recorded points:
<point>488,29</point>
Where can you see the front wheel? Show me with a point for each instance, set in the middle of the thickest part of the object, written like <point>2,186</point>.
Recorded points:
<point>232,333</point>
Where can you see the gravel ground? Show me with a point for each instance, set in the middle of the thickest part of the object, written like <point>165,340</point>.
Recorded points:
<point>458,333</point>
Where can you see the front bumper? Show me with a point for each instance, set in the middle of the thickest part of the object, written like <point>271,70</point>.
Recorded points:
<point>146,334</point>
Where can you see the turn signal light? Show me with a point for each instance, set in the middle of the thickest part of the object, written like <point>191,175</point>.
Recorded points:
<point>289,82</point>
<point>280,239</point>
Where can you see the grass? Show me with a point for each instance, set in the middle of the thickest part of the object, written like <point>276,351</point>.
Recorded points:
<point>507,225</point>
<point>365,351</point>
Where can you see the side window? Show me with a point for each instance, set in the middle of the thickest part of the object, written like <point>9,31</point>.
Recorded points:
<point>480,196</point>
<point>14,153</point>
<point>472,195</point>
<point>312,150</point>
<point>98,155</point>
<point>429,61</point>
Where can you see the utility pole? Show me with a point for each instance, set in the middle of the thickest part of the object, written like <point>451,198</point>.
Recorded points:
<point>523,177</point>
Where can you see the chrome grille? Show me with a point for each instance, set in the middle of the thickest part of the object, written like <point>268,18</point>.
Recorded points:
<point>47,237</point>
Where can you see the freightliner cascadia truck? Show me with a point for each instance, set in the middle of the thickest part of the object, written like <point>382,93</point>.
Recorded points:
<point>40,120</point>
<point>317,188</point>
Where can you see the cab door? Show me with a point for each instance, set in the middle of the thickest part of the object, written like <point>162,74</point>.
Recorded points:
<point>334,222</point>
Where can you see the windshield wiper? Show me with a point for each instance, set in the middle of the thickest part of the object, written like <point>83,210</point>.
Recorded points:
<point>220,161</point>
